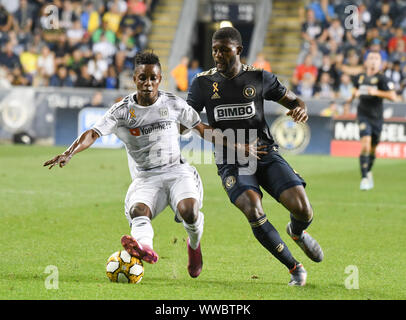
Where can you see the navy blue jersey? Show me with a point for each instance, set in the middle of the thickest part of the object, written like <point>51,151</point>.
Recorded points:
<point>372,106</point>
<point>236,103</point>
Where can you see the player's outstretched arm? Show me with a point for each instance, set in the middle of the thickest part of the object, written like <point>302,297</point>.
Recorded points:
<point>215,136</point>
<point>389,94</point>
<point>297,107</point>
<point>84,141</point>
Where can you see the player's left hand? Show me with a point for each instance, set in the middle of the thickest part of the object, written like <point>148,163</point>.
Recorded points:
<point>299,114</point>
<point>252,149</point>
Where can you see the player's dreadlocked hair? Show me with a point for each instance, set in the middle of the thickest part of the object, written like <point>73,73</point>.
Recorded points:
<point>228,33</point>
<point>146,58</point>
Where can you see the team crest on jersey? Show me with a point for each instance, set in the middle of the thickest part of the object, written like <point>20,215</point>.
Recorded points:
<point>361,79</point>
<point>374,80</point>
<point>163,112</point>
<point>249,91</point>
<point>362,126</point>
<point>215,91</point>
<point>229,182</point>
<point>234,111</point>
<point>132,114</point>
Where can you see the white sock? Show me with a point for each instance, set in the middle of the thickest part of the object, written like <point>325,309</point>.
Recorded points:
<point>195,230</point>
<point>141,230</point>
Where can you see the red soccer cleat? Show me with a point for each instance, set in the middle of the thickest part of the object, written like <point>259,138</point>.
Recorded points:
<point>139,251</point>
<point>195,263</point>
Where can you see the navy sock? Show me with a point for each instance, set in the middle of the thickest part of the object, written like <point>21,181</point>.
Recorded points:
<point>269,237</point>
<point>364,161</point>
<point>371,161</point>
<point>298,226</point>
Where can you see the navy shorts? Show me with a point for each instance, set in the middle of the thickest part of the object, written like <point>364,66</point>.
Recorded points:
<point>273,174</point>
<point>370,127</point>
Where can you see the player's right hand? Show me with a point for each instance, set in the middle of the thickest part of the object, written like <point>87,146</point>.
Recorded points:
<point>61,160</point>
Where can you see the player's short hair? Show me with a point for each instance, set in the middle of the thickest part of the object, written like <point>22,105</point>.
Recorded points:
<point>146,58</point>
<point>373,51</point>
<point>228,33</point>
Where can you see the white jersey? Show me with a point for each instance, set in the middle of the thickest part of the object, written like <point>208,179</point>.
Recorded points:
<point>150,134</point>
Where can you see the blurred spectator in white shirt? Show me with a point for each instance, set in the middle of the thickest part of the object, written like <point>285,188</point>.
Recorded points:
<point>336,31</point>
<point>345,88</point>
<point>75,34</point>
<point>324,88</point>
<point>97,67</point>
<point>46,62</point>
<point>106,48</point>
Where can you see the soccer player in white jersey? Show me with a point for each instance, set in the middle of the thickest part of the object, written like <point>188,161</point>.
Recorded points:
<point>148,123</point>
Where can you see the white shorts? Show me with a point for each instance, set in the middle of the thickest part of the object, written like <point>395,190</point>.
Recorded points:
<point>157,190</point>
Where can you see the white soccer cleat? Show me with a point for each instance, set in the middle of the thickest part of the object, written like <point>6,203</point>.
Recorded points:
<point>365,184</point>
<point>298,276</point>
<point>371,179</point>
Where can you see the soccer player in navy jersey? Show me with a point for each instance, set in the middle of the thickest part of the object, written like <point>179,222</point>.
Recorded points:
<point>233,95</point>
<point>371,88</point>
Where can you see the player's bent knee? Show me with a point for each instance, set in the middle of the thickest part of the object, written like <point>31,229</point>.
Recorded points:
<point>188,210</point>
<point>139,210</point>
<point>302,210</point>
<point>365,145</point>
<point>249,203</point>
<point>365,150</point>
<point>307,212</point>
<point>296,201</point>
<point>251,211</point>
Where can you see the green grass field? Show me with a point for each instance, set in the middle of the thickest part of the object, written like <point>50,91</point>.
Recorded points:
<point>73,218</point>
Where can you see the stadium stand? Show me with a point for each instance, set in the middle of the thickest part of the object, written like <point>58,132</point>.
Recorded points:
<point>96,40</point>
<point>282,52</point>
<point>166,19</point>
<point>334,43</point>
<point>72,43</point>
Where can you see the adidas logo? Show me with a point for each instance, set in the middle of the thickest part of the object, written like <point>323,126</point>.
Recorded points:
<point>280,247</point>
<point>215,96</point>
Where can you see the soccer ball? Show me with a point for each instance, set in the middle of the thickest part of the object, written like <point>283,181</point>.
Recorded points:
<point>121,267</point>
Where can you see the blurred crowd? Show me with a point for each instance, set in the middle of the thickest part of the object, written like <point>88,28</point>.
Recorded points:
<point>185,72</point>
<point>187,69</point>
<point>92,43</point>
<point>72,43</point>
<point>336,38</point>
